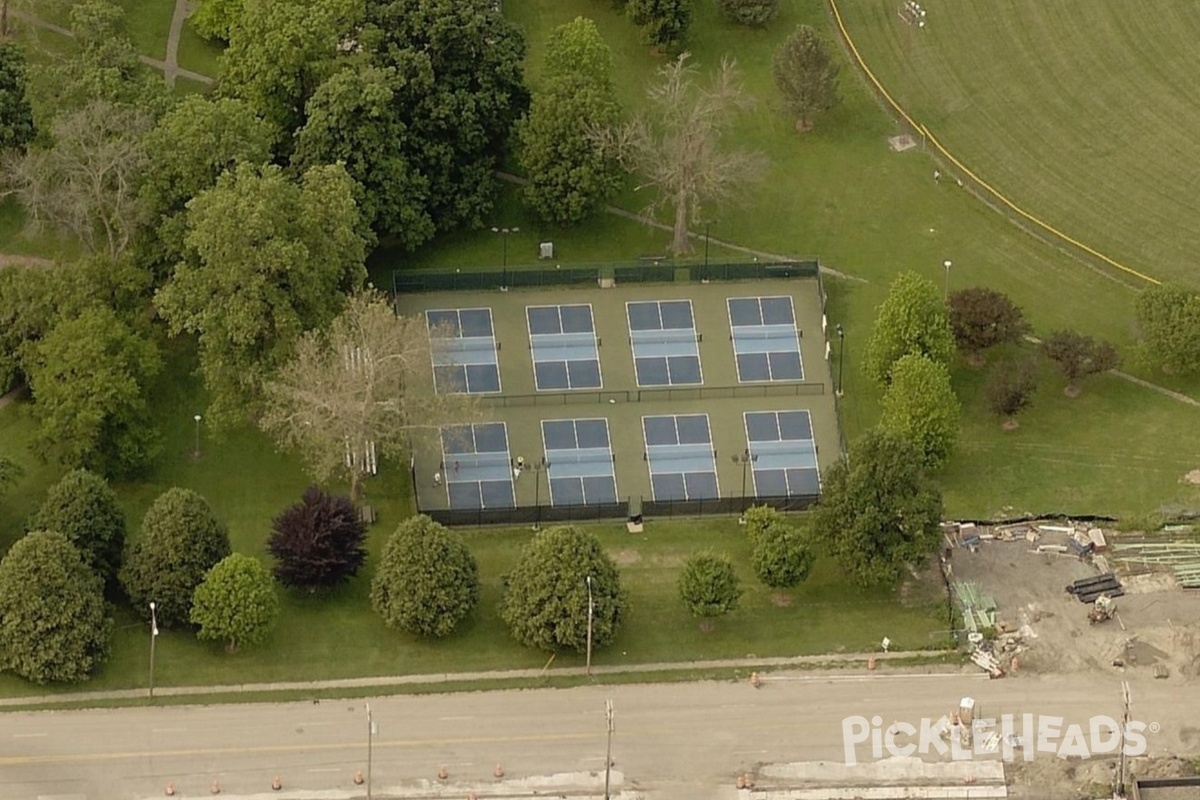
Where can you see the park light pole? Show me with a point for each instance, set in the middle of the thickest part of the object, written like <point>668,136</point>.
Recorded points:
<point>841,333</point>
<point>608,715</point>
<point>591,611</point>
<point>707,223</point>
<point>153,639</point>
<point>947,264</point>
<point>538,468</point>
<point>196,450</point>
<point>504,234</point>
<point>371,731</point>
<point>745,459</point>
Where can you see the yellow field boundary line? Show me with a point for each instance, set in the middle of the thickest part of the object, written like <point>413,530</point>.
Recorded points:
<point>916,126</point>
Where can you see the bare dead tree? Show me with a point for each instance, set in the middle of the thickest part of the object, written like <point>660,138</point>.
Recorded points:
<point>679,147</point>
<point>86,181</point>
<point>358,391</point>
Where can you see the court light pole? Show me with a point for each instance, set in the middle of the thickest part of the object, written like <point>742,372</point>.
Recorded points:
<point>745,459</point>
<point>504,234</point>
<point>946,265</point>
<point>196,451</point>
<point>591,611</point>
<point>841,333</point>
<point>153,639</point>
<point>538,469</point>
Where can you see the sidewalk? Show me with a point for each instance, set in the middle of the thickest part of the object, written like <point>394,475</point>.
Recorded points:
<point>468,677</point>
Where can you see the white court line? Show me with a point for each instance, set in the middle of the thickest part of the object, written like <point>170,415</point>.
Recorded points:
<point>865,678</point>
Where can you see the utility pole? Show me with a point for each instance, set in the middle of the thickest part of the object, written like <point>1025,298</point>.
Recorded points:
<point>608,713</point>
<point>841,333</point>
<point>153,639</point>
<point>371,730</point>
<point>1125,719</point>
<point>591,611</point>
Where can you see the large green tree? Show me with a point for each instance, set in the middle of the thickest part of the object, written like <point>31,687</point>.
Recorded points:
<point>236,603</point>
<point>16,114</point>
<point>214,19</point>
<point>84,508</point>
<point>878,512</point>
<point>90,382</point>
<point>1168,319</point>
<point>912,320</point>
<point>320,403</point>
<point>188,149</point>
<point>421,119</point>
<point>268,260</point>
<point>570,175</point>
<point>545,601</point>
<point>279,53</point>
<point>54,625</point>
<point>427,581</point>
<point>679,145</point>
<point>806,74</point>
<point>709,585</point>
<point>781,556</point>
<point>921,406</point>
<point>179,541</point>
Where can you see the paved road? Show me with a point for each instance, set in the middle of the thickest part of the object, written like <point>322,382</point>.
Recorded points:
<point>675,741</point>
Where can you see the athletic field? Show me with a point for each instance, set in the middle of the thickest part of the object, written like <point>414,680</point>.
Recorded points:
<point>679,398</point>
<point>1084,114</point>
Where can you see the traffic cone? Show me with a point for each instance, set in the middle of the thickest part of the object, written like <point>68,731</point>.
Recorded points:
<point>755,680</point>
<point>1012,665</point>
<point>741,782</point>
<point>216,787</point>
<point>748,779</point>
<point>472,796</point>
<point>498,771</point>
<point>170,789</point>
<point>443,774</point>
<point>871,663</point>
<point>358,778</point>
<point>276,783</point>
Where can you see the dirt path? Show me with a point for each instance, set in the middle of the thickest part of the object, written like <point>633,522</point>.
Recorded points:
<point>171,67</point>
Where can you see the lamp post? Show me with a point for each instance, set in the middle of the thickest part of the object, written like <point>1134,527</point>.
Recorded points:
<point>946,265</point>
<point>196,450</point>
<point>841,333</point>
<point>153,639</point>
<point>504,234</point>
<point>608,714</point>
<point>371,731</point>
<point>538,468</point>
<point>707,223</point>
<point>591,612</point>
<point>745,459</point>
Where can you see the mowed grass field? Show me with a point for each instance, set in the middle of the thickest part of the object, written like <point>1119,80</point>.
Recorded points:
<point>1083,114</point>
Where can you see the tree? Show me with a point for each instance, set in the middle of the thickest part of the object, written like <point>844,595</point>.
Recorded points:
<point>570,176</point>
<point>16,115</point>
<point>754,13</point>
<point>912,320</point>
<point>920,406</point>
<point>878,512</point>
<point>27,312</point>
<point>89,382</point>
<point>1010,387</point>
<point>188,149</point>
<point>427,581</point>
<point>677,145</point>
<point>424,116</point>
<point>214,19</point>
<point>82,507</point>
<point>709,586</point>
<point>664,23</point>
<point>268,260</point>
<point>86,181</point>
<point>319,403</point>
<point>1169,320</point>
<point>545,602</point>
<point>982,318</point>
<point>10,472</point>
<point>279,53</point>
<point>179,541</point>
<point>54,625</point>
<point>781,557</point>
<point>806,75</point>
<point>236,602</point>
<point>318,542</point>
<point>1079,356</point>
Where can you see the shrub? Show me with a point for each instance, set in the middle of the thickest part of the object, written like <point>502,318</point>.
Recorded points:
<point>236,602</point>
<point>781,556</point>
<point>754,13</point>
<point>709,586</point>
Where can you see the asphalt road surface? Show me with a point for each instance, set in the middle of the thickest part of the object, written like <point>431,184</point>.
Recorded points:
<point>671,740</point>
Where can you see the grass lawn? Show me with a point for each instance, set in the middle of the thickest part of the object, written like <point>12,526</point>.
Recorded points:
<point>1085,118</point>
<point>198,54</point>
<point>148,22</point>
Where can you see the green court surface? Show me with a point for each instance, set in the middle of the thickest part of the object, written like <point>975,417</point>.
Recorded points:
<point>522,407</point>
